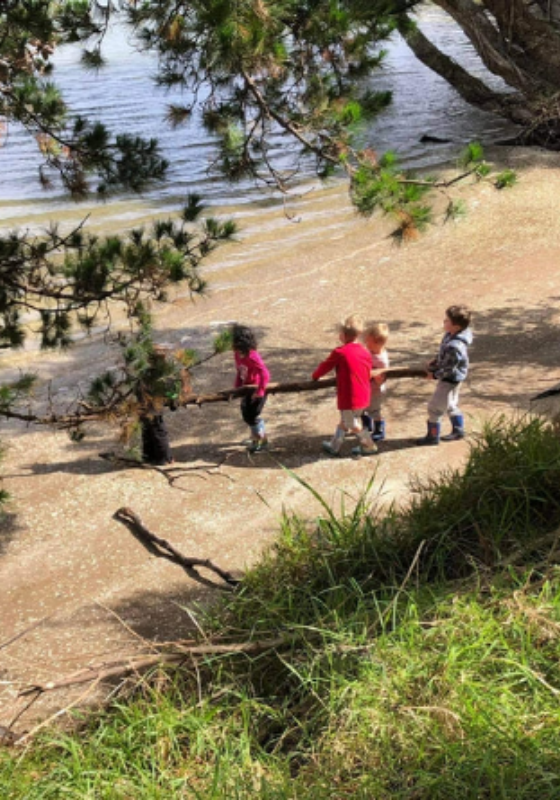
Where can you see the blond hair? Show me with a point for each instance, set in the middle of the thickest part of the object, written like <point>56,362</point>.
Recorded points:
<point>352,326</point>
<point>378,331</point>
<point>459,315</point>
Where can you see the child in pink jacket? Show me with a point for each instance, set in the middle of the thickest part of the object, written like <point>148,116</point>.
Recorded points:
<point>251,370</point>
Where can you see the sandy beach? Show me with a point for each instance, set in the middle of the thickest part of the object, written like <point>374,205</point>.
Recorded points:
<point>78,588</point>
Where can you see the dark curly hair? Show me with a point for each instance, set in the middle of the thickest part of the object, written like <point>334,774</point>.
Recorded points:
<point>243,339</point>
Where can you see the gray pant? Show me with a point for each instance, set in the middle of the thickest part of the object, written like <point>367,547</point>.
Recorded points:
<point>445,399</point>
<point>351,422</point>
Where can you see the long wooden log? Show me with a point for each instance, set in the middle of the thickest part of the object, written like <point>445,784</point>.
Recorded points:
<point>296,386</point>
<point>225,395</point>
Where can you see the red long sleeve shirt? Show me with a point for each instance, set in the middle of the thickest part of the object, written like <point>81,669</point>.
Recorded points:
<point>353,365</point>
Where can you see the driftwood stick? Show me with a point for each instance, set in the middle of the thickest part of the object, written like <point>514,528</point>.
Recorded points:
<point>128,666</point>
<point>295,386</point>
<point>128,517</point>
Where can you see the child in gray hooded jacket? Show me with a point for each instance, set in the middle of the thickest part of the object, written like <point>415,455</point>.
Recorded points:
<point>449,368</point>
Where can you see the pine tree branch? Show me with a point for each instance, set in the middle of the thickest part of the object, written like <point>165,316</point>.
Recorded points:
<point>225,395</point>
<point>287,125</point>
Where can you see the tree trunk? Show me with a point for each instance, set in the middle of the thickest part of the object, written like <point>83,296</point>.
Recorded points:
<point>471,89</point>
<point>533,40</point>
<point>489,42</point>
<point>548,10</point>
<point>517,40</point>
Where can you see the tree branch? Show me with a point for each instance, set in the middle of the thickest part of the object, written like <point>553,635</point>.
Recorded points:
<point>295,386</point>
<point>471,89</point>
<point>225,395</point>
<point>163,548</point>
<point>534,41</point>
<point>287,125</point>
<point>129,665</point>
<point>488,42</point>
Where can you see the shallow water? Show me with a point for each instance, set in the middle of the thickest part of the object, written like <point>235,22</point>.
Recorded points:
<point>123,95</point>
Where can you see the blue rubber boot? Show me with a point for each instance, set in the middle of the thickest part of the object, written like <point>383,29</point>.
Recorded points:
<point>457,431</point>
<point>379,430</point>
<point>432,437</point>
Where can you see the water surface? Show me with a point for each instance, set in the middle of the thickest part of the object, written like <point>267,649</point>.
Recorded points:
<point>124,96</point>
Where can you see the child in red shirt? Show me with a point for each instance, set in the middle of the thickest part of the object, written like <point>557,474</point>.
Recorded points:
<point>251,370</point>
<point>353,365</point>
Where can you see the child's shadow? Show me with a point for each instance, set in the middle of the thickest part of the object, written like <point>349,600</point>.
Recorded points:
<point>285,452</point>
<point>289,451</point>
<point>392,445</point>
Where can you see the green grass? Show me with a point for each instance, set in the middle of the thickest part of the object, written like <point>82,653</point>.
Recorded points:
<point>422,659</point>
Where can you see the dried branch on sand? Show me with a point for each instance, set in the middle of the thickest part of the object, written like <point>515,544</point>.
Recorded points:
<point>162,547</point>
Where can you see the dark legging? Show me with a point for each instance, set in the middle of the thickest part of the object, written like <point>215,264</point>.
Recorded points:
<point>251,408</point>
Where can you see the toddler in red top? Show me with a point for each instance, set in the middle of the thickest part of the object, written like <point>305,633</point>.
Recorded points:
<point>251,371</point>
<point>353,364</point>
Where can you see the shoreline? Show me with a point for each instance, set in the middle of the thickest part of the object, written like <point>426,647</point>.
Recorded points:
<point>302,249</point>
<point>65,559</point>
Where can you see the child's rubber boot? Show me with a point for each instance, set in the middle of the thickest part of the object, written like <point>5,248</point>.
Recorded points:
<point>258,445</point>
<point>457,431</point>
<point>432,436</point>
<point>330,450</point>
<point>379,430</point>
<point>362,450</point>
